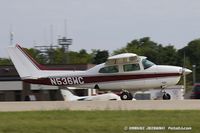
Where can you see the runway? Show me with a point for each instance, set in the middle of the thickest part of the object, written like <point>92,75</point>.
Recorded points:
<point>101,105</point>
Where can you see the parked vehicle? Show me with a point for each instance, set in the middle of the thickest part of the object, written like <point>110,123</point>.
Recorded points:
<point>196,91</point>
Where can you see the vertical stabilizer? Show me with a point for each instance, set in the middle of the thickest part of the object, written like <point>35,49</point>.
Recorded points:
<point>25,65</point>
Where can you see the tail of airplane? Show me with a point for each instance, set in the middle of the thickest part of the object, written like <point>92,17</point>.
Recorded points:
<point>26,66</point>
<point>68,96</point>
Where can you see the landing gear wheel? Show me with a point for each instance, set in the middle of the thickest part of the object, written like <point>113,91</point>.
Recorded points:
<point>126,96</point>
<point>166,96</point>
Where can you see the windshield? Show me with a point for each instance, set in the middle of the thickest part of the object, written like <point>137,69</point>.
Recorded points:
<point>147,64</point>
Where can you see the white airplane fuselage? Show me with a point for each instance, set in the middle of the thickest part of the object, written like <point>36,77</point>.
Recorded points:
<point>142,74</point>
<point>153,77</point>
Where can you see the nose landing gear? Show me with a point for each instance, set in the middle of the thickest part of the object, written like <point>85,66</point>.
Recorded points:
<point>166,96</point>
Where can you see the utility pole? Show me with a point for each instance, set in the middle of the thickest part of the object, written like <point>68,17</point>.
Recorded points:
<point>184,75</point>
<point>11,35</point>
<point>65,42</point>
<point>194,73</point>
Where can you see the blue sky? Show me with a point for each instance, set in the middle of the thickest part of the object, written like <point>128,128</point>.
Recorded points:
<point>99,24</point>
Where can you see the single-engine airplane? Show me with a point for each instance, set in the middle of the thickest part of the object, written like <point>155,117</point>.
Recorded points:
<point>120,72</point>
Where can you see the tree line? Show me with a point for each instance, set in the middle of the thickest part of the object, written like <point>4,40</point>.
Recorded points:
<point>157,53</point>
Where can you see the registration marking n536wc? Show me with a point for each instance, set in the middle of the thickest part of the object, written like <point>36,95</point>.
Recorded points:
<point>67,80</point>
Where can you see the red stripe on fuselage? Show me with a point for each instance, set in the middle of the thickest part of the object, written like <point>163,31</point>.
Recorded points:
<point>110,78</point>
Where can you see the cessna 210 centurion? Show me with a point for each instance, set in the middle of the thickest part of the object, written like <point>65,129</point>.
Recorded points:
<point>120,72</point>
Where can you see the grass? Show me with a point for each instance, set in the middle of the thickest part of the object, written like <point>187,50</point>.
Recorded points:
<point>95,121</point>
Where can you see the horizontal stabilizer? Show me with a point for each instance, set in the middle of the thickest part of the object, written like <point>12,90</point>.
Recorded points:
<point>68,95</point>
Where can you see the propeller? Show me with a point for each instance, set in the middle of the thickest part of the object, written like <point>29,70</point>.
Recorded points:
<point>185,71</point>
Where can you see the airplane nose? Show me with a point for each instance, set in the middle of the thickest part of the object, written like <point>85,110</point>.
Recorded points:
<point>186,71</point>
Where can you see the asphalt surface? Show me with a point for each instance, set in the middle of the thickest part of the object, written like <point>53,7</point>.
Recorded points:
<point>101,105</point>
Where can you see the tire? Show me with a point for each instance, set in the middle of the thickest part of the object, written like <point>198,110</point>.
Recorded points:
<point>166,96</point>
<point>126,96</point>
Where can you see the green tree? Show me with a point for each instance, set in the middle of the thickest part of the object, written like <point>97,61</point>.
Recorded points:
<point>84,56</point>
<point>59,57</point>
<point>155,52</point>
<point>81,57</point>
<point>192,56</point>
<point>5,61</point>
<point>36,54</point>
<point>143,46</point>
<point>167,55</point>
<point>99,56</point>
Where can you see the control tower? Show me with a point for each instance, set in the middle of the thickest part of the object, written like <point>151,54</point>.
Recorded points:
<point>64,43</point>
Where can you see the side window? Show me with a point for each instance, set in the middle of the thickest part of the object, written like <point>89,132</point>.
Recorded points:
<point>131,67</point>
<point>109,69</point>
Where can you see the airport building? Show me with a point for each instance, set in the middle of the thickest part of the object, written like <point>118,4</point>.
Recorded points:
<point>13,89</point>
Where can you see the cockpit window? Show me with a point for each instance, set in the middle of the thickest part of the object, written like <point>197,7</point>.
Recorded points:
<point>131,67</point>
<point>147,64</point>
<point>109,69</point>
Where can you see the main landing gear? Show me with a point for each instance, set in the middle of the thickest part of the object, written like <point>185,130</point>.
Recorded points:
<point>166,96</point>
<point>125,95</point>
